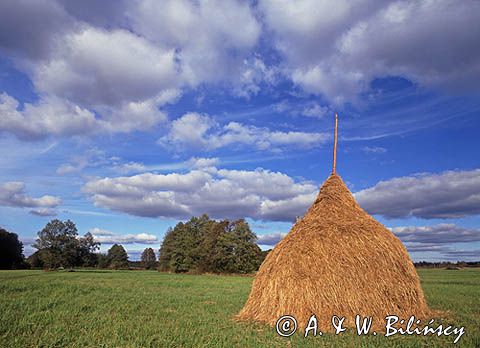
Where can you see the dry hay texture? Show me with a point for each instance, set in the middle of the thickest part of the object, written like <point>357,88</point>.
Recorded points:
<point>336,260</point>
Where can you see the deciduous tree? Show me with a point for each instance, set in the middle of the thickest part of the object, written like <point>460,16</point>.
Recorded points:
<point>117,256</point>
<point>58,240</point>
<point>88,246</point>
<point>58,245</point>
<point>149,260</point>
<point>11,250</point>
<point>205,245</point>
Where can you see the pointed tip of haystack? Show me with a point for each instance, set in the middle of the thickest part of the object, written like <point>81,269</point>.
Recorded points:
<point>336,260</point>
<point>334,181</point>
<point>334,196</point>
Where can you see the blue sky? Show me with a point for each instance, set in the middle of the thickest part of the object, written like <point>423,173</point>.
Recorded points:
<point>127,117</point>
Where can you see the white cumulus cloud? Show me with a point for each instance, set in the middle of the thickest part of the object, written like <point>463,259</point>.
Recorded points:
<point>221,193</point>
<point>437,234</point>
<point>108,237</point>
<point>99,67</point>
<point>212,37</point>
<point>197,131</point>
<point>451,194</point>
<point>13,194</point>
<point>335,48</point>
<point>51,116</point>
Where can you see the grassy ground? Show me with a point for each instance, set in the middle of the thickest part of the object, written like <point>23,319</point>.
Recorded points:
<point>150,309</point>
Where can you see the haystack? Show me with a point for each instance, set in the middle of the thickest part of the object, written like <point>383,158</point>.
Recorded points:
<point>336,260</point>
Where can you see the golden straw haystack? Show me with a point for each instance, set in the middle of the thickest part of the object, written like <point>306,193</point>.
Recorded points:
<point>336,260</point>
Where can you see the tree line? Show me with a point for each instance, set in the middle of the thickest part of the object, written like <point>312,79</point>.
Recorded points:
<point>205,245</point>
<point>199,245</point>
<point>59,246</point>
<point>447,264</point>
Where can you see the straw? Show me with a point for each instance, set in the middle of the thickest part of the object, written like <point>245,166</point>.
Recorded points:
<point>336,260</point>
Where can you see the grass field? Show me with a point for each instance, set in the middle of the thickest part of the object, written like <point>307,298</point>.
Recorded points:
<point>151,309</point>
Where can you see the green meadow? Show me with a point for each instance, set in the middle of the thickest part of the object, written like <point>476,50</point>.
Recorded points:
<point>151,309</point>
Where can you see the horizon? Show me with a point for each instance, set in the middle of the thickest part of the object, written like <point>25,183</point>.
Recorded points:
<point>127,118</point>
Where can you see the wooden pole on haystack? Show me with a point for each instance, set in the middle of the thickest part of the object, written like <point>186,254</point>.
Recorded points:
<point>334,169</point>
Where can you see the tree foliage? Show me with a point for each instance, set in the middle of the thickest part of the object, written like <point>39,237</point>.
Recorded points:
<point>59,246</point>
<point>102,260</point>
<point>117,257</point>
<point>87,249</point>
<point>149,259</point>
<point>11,250</point>
<point>205,245</point>
<point>36,259</point>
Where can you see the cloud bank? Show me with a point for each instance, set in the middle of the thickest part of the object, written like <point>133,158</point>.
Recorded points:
<point>221,193</point>
<point>451,194</point>
<point>439,234</point>
<point>108,237</point>
<point>265,195</point>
